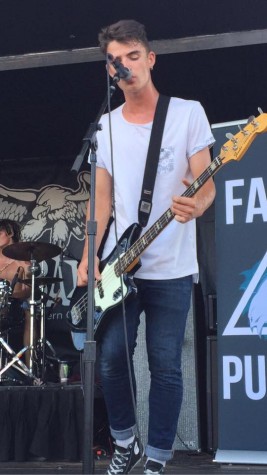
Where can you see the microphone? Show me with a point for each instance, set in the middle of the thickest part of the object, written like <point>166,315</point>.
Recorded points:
<point>121,71</point>
<point>14,280</point>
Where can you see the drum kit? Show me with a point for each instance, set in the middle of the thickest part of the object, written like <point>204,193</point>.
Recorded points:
<point>33,252</point>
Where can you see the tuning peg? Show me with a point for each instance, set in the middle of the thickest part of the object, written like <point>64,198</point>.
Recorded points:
<point>260,110</point>
<point>244,132</point>
<point>250,119</point>
<point>230,136</point>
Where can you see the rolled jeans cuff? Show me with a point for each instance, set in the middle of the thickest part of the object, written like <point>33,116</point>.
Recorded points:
<point>158,454</point>
<point>123,434</point>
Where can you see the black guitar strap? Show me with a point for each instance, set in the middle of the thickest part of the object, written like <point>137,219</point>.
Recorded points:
<point>145,203</point>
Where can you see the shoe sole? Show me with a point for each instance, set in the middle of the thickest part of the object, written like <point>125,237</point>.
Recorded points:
<point>136,463</point>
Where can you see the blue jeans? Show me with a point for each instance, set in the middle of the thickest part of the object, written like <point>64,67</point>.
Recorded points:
<point>166,304</point>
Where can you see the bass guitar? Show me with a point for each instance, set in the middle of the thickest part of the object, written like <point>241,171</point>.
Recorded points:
<point>118,268</point>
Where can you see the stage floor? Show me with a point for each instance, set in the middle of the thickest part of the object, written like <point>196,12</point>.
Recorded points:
<point>47,423</point>
<point>187,463</point>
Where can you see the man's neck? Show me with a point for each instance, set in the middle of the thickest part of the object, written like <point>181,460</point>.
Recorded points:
<point>140,108</point>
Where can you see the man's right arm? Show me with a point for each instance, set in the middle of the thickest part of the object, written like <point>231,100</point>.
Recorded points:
<point>103,205</point>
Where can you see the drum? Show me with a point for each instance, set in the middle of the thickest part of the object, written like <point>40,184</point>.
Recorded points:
<point>11,312</point>
<point>5,294</point>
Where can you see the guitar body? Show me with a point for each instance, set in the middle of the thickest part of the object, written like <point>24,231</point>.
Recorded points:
<point>109,293</point>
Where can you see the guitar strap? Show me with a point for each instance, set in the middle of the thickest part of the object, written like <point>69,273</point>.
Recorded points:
<point>145,203</point>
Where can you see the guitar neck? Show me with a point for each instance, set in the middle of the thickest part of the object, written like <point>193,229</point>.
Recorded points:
<point>144,241</point>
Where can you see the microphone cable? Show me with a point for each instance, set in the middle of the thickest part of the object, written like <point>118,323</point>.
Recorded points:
<point>120,268</point>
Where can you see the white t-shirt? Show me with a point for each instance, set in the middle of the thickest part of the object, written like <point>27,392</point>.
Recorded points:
<point>173,253</point>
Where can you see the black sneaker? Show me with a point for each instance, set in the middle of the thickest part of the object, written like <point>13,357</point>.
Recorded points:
<point>153,467</point>
<point>124,460</point>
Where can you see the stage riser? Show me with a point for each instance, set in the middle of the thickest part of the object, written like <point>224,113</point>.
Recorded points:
<point>47,423</point>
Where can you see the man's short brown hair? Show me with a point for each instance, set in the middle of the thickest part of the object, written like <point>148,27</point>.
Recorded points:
<point>124,31</point>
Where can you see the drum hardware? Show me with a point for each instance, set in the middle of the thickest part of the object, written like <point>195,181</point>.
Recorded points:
<point>33,252</point>
<point>42,341</point>
<point>32,303</point>
<point>41,344</point>
<point>41,281</point>
<point>5,294</point>
<point>15,360</point>
<point>39,348</point>
<point>6,325</point>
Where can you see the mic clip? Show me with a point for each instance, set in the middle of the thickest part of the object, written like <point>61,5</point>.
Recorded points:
<point>14,281</point>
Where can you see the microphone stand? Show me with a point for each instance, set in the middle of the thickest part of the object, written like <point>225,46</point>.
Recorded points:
<point>89,354</point>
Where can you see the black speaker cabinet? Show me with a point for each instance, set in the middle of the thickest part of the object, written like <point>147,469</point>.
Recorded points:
<point>212,394</point>
<point>212,312</point>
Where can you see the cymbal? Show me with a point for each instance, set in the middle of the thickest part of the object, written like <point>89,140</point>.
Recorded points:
<point>27,251</point>
<point>39,281</point>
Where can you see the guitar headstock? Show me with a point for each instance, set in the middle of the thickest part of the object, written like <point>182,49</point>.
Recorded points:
<point>237,145</point>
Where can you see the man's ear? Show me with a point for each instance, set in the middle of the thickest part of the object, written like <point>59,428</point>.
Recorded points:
<point>151,59</point>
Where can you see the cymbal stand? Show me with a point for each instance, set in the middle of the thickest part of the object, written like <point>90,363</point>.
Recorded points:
<point>32,302</point>
<point>42,341</point>
<point>42,332</point>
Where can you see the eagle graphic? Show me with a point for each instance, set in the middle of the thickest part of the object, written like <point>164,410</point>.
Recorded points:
<point>55,209</point>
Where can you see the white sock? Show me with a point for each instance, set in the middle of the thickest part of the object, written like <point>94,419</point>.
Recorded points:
<point>163,462</point>
<point>124,443</point>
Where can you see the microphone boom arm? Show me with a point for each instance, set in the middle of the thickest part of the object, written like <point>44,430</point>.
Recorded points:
<point>89,139</point>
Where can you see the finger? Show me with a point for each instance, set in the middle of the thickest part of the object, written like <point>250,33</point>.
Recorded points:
<point>186,182</point>
<point>180,219</point>
<point>81,282</point>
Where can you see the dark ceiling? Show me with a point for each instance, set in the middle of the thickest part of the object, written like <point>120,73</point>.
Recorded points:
<point>41,25</point>
<point>45,111</point>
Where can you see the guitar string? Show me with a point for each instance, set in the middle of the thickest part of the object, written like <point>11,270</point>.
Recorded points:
<point>162,222</point>
<point>168,215</point>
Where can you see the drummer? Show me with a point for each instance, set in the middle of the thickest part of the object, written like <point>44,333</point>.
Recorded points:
<point>13,271</point>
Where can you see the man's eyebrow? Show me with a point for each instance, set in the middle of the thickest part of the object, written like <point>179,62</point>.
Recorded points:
<point>133,52</point>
